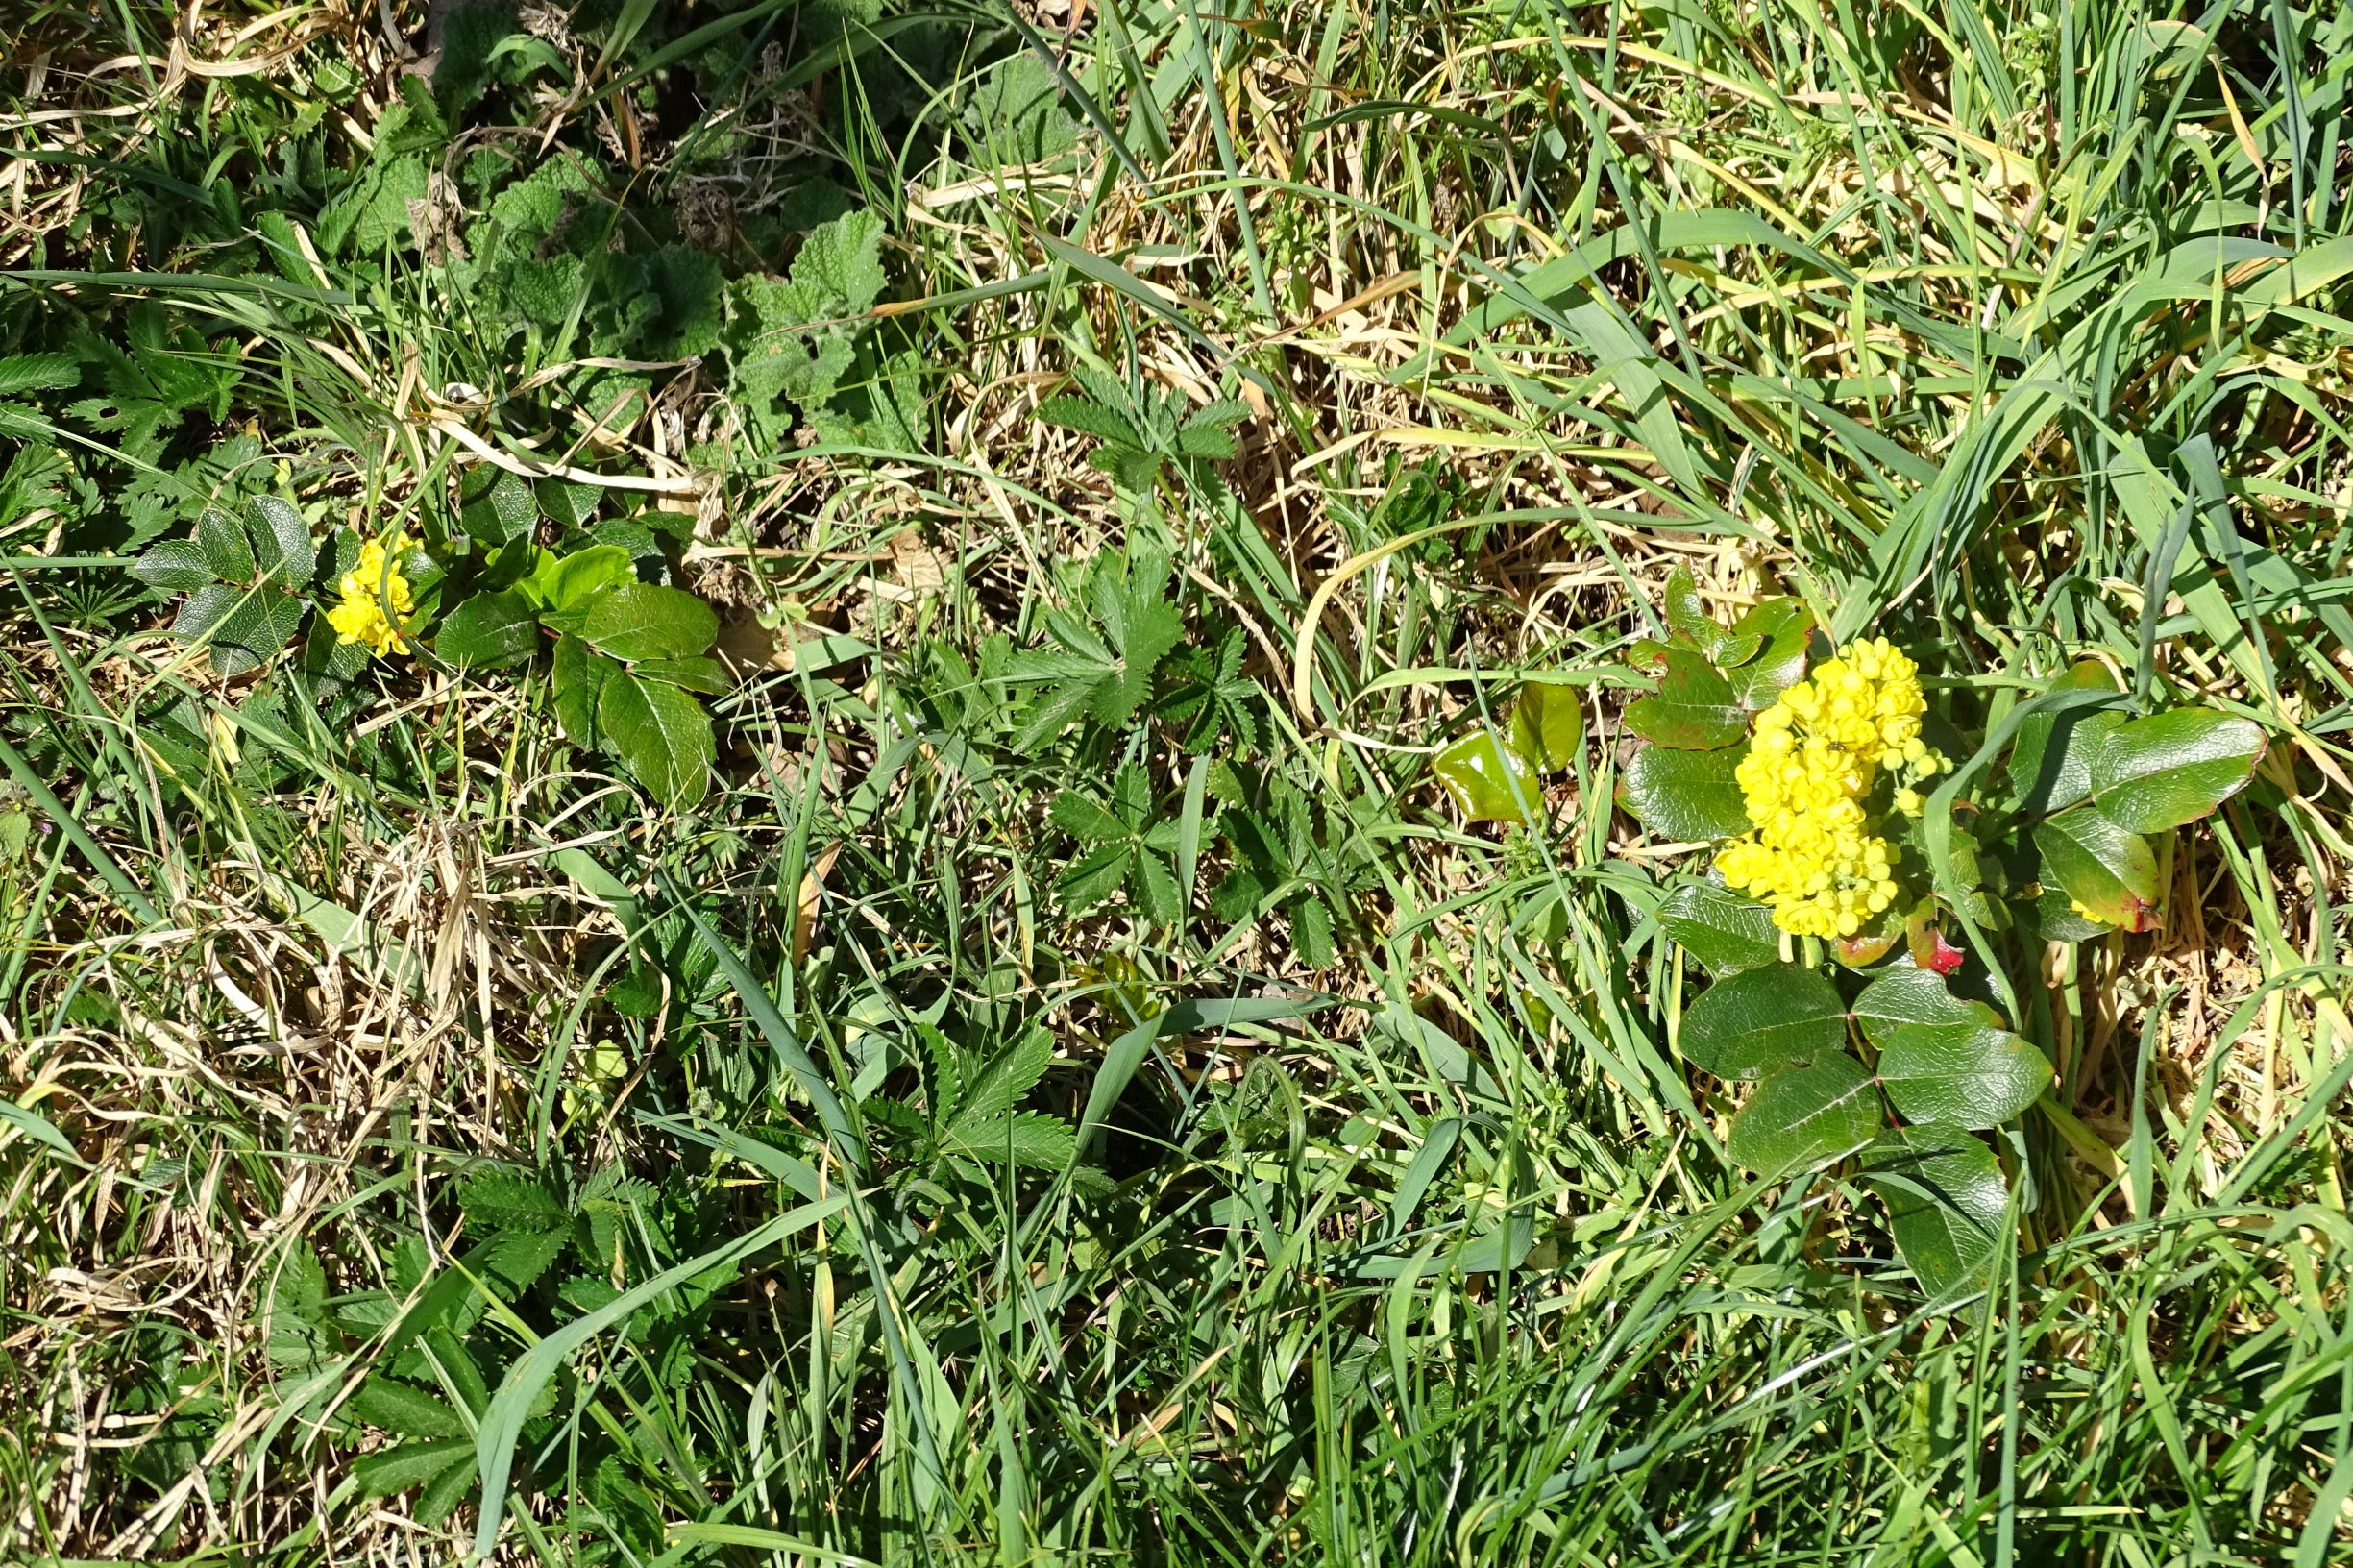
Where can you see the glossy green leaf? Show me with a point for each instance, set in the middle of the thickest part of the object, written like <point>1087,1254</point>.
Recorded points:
<point>1684,796</point>
<point>282,550</point>
<point>644,621</point>
<point>1807,1116</point>
<point>1688,618</point>
<point>1724,930</point>
<point>1946,1204</point>
<point>1784,629</point>
<point>660,733</point>
<point>244,626</point>
<point>175,565</point>
<point>1547,727</point>
<point>580,673</point>
<point>1967,1074</point>
<point>496,506</point>
<point>706,675</point>
<point>1913,996</point>
<point>2096,862</point>
<point>570,582</point>
<point>1761,1020</point>
<point>227,549</point>
<point>1487,779</point>
<point>2050,763</point>
<point>2056,920</point>
<point>2173,767</point>
<point>489,631</point>
<point>1693,709</point>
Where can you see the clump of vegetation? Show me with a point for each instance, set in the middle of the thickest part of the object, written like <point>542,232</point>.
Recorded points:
<point>813,781</point>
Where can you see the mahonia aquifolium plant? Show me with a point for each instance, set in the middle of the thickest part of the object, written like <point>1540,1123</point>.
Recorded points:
<point>1871,907</point>
<point>1820,760</point>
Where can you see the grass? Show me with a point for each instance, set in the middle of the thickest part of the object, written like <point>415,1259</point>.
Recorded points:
<point>1072,1086</point>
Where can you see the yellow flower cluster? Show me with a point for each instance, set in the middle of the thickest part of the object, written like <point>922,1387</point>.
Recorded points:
<point>1816,855</point>
<point>377,599</point>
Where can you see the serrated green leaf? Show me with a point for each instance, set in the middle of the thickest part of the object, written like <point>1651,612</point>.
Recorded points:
<point>1000,1086</point>
<point>1725,931</point>
<point>1687,617</point>
<point>1913,996</point>
<point>226,549</point>
<point>173,565</point>
<point>1089,419</point>
<point>37,372</point>
<point>1693,709</point>
<point>1684,796</point>
<point>579,676</point>
<point>1807,1116</point>
<point>1031,1138</point>
<point>489,631</point>
<point>244,627</point>
<point>1967,1074</point>
<point>2158,773</point>
<point>1783,628</point>
<point>283,552</point>
<point>644,620</point>
<point>661,734</point>
<point>403,1410</point>
<point>410,1464</point>
<point>1946,1204</point>
<point>1762,1019</point>
<point>2110,872</point>
<point>1084,819</point>
<point>2050,763</point>
<point>1489,780</point>
<point>502,1200</point>
<point>496,506</point>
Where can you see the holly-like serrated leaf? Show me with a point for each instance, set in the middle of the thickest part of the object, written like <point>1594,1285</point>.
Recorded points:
<point>173,565</point>
<point>1726,931</point>
<point>2050,763</point>
<point>2158,773</point>
<point>283,552</point>
<point>1763,1020</point>
<point>1803,1117</point>
<point>1684,796</point>
<point>489,631</point>
<point>228,551</point>
<point>1687,617</point>
<point>1693,709</point>
<point>1783,628</point>
<point>1972,1075</point>
<point>2110,872</point>
<point>661,734</point>
<point>1489,780</point>
<point>1947,1206</point>
<point>578,675</point>
<point>644,620</point>
<point>1899,997</point>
